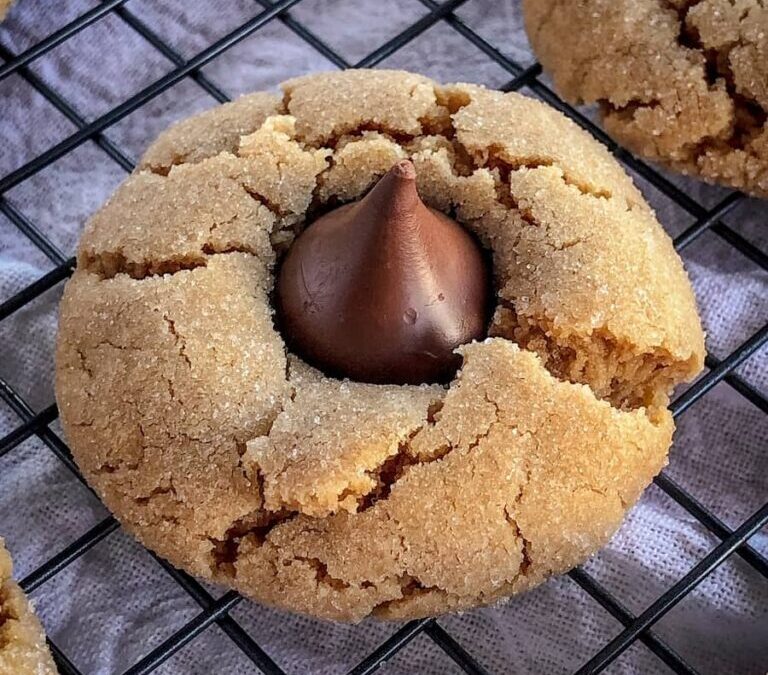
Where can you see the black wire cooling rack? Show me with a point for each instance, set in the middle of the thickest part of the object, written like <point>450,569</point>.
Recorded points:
<point>32,423</point>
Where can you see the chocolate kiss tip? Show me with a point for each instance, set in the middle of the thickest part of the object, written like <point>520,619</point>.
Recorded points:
<point>404,169</point>
<point>387,310</point>
<point>394,202</point>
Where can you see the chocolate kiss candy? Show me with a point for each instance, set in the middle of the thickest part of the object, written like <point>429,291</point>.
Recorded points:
<point>384,289</point>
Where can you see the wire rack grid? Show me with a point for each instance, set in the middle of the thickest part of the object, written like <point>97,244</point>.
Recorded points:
<point>636,628</point>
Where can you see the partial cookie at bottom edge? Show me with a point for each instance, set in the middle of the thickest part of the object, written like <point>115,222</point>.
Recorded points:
<point>23,650</point>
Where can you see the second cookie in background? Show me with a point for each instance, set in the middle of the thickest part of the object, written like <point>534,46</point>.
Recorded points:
<point>680,82</point>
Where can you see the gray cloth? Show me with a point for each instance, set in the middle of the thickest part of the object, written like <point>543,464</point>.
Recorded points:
<point>116,603</point>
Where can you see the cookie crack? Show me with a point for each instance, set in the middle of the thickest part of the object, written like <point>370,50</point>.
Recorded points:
<point>525,545</point>
<point>680,9</point>
<point>285,102</point>
<point>410,587</point>
<point>272,206</point>
<point>116,464</point>
<point>180,342</point>
<point>157,492</point>
<point>255,526</point>
<point>110,467</point>
<point>507,197</point>
<point>9,613</point>
<point>493,159</point>
<point>625,383</point>
<point>396,467</point>
<point>108,264</point>
<point>387,474</point>
<point>322,576</point>
<point>510,511</point>
<point>84,363</point>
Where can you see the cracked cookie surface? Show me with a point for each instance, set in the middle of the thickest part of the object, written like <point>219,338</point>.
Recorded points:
<point>23,650</point>
<point>684,82</point>
<point>238,462</point>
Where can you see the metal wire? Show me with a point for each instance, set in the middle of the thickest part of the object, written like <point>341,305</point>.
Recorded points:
<point>618,611</point>
<point>676,593</point>
<point>638,628</point>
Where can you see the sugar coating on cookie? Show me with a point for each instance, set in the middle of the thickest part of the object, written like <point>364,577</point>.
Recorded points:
<point>684,82</point>
<point>23,650</point>
<point>238,462</point>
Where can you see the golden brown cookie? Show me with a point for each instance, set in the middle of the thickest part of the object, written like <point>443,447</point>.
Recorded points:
<point>684,82</point>
<point>240,463</point>
<point>23,650</point>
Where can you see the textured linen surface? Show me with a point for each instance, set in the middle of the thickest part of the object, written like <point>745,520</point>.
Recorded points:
<point>115,604</point>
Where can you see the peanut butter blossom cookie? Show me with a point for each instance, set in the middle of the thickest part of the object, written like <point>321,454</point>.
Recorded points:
<point>23,650</point>
<point>374,346</point>
<point>684,82</point>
